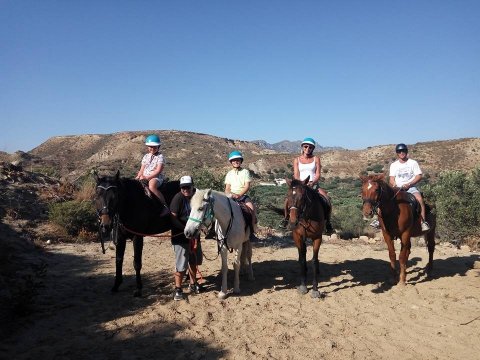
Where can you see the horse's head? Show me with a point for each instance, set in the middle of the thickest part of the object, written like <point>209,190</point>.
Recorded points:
<point>106,202</point>
<point>371,194</point>
<point>201,213</point>
<point>296,200</point>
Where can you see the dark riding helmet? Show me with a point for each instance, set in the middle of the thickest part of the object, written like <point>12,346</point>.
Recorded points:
<point>401,147</point>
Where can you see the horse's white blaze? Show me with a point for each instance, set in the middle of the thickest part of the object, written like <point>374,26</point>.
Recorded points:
<point>369,185</point>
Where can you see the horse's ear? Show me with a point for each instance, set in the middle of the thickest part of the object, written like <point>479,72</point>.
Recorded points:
<point>95,175</point>
<point>207,194</point>
<point>305,182</point>
<point>363,178</point>
<point>289,182</point>
<point>117,175</point>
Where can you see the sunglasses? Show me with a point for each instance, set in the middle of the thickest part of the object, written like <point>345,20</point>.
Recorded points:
<point>188,187</point>
<point>401,151</point>
<point>307,146</point>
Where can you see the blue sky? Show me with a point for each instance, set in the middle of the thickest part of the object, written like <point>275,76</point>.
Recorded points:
<point>347,73</point>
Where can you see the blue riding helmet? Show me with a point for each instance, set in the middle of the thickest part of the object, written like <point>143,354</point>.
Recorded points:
<point>308,141</point>
<point>401,147</point>
<point>235,155</point>
<point>152,140</point>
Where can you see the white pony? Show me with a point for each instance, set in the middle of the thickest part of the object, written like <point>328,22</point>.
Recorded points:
<point>232,231</point>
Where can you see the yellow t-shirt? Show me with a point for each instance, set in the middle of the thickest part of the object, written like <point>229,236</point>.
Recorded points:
<point>237,179</point>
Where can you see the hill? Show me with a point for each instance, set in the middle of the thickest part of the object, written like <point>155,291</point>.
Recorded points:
<point>71,157</point>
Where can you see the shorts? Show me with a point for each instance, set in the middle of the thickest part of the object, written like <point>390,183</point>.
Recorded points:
<point>244,199</point>
<point>413,190</point>
<point>160,181</point>
<point>183,256</point>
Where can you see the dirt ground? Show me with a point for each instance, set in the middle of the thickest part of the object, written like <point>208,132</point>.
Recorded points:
<point>361,315</point>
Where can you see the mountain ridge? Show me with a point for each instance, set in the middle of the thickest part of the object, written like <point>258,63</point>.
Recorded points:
<point>73,156</point>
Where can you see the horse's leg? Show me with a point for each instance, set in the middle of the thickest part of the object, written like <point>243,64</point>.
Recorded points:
<point>391,254</point>
<point>119,254</point>
<point>246,262</point>
<point>316,267</point>
<point>403,257</point>
<point>137,263</point>
<point>430,240</point>
<point>302,261</point>
<point>236,267</point>
<point>223,291</point>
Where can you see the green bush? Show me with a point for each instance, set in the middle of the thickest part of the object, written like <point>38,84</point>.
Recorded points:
<point>349,220</point>
<point>457,203</point>
<point>74,216</point>
<point>204,179</point>
<point>269,202</point>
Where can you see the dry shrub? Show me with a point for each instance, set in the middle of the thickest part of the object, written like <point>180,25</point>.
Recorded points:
<point>86,192</point>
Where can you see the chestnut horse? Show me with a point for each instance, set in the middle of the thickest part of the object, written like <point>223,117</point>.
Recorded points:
<point>398,218</point>
<point>306,220</point>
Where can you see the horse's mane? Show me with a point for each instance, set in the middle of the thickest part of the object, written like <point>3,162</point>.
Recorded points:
<point>311,193</point>
<point>197,198</point>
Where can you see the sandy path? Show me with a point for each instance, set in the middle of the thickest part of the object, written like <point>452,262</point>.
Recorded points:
<point>361,315</point>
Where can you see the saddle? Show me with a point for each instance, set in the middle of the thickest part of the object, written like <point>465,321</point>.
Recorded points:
<point>247,215</point>
<point>414,204</point>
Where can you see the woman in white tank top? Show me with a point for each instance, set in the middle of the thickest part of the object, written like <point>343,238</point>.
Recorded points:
<point>306,165</point>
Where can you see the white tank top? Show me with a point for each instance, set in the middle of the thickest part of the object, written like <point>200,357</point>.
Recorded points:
<point>307,169</point>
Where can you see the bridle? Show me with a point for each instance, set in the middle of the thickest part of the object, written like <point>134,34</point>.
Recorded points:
<point>300,210</point>
<point>111,213</point>
<point>207,218</point>
<point>374,203</point>
<point>206,221</point>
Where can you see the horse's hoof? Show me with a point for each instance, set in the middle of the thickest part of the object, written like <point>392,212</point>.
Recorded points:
<point>302,289</point>
<point>222,295</point>
<point>315,294</point>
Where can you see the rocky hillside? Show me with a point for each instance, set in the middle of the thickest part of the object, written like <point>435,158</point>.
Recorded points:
<point>71,157</point>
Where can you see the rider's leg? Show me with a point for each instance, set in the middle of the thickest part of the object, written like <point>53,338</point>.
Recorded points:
<point>153,185</point>
<point>250,205</point>
<point>419,198</point>
<point>328,211</point>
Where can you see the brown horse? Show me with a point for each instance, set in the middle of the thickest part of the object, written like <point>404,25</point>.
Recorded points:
<point>307,220</point>
<point>398,218</point>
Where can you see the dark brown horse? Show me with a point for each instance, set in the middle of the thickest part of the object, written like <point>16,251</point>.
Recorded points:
<point>399,218</point>
<point>307,220</point>
<point>126,212</point>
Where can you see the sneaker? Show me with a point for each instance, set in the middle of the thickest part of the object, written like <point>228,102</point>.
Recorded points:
<point>328,228</point>
<point>178,295</point>
<point>375,224</point>
<point>283,224</point>
<point>425,226</point>
<point>196,288</point>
